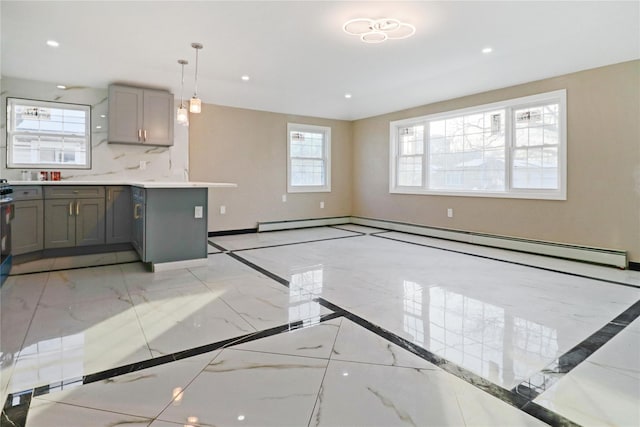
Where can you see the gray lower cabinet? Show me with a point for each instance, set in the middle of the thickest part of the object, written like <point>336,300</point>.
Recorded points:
<point>119,214</point>
<point>165,227</point>
<point>28,223</point>
<point>74,221</point>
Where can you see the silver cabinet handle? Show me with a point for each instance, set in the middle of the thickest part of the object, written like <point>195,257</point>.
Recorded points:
<point>70,208</point>
<point>139,134</point>
<point>136,214</point>
<point>145,134</point>
<point>108,195</point>
<point>77,208</point>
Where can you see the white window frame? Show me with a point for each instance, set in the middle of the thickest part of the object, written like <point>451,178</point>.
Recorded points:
<point>326,131</point>
<point>46,104</point>
<point>559,96</point>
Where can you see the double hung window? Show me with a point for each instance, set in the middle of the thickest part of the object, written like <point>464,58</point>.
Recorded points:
<point>48,134</point>
<point>515,148</point>
<point>309,158</point>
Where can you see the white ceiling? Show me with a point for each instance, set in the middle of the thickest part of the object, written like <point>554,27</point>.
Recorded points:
<point>299,59</point>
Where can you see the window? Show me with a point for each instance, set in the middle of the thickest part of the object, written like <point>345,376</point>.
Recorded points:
<point>515,148</point>
<point>309,154</point>
<point>48,134</point>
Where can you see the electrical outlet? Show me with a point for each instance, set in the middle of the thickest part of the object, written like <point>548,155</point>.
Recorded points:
<point>321,205</point>
<point>143,164</point>
<point>223,209</point>
<point>284,198</point>
<point>450,212</point>
<point>197,212</point>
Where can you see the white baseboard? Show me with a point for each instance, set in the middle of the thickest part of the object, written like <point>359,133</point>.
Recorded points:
<point>612,257</point>
<point>166,266</point>
<point>302,223</point>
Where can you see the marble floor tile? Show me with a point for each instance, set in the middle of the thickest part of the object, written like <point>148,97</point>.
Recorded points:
<point>38,266</point>
<point>257,240</point>
<point>179,319</point>
<point>83,285</point>
<point>314,341</point>
<point>221,267</point>
<point>376,395</point>
<point>71,341</point>
<point>260,389</point>
<point>144,393</point>
<point>357,344</point>
<point>605,388</point>
<point>138,280</point>
<point>44,413</point>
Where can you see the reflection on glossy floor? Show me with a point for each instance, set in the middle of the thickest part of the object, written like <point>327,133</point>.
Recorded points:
<point>323,326</point>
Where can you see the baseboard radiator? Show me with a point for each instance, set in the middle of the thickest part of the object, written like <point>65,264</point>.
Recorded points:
<point>612,257</point>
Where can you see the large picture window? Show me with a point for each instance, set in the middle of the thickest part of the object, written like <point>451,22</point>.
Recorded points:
<point>309,158</point>
<point>515,148</point>
<point>48,134</point>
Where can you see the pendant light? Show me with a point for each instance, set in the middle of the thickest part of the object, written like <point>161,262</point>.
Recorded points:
<point>195,105</point>
<point>182,116</point>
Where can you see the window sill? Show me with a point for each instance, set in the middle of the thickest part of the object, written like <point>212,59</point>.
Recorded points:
<point>533,194</point>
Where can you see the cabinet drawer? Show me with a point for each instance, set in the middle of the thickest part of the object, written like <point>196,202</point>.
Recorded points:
<point>24,192</point>
<point>69,191</point>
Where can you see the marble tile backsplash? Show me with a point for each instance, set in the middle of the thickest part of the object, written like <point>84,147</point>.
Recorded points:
<point>110,162</point>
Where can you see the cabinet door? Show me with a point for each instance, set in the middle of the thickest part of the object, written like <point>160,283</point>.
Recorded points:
<point>27,234</point>
<point>125,114</point>
<point>90,222</point>
<point>158,117</point>
<point>119,214</point>
<point>59,223</point>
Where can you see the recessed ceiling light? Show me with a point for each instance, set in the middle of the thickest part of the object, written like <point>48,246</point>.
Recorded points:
<point>63,87</point>
<point>52,43</point>
<point>487,50</point>
<point>98,127</point>
<point>245,78</point>
<point>240,417</point>
<point>347,95</point>
<point>103,115</point>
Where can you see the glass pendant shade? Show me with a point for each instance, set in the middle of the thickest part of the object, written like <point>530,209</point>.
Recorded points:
<point>182,116</point>
<point>195,105</point>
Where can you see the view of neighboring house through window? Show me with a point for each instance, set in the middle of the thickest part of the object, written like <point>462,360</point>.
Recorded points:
<point>514,148</point>
<point>48,134</point>
<point>309,158</point>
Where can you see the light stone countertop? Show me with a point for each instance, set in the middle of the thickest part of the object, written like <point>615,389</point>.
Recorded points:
<point>148,184</point>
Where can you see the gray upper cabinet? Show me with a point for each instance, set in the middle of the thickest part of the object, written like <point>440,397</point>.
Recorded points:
<point>140,116</point>
<point>119,214</point>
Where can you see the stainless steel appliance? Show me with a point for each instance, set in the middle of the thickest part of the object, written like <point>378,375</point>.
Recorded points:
<point>6,215</point>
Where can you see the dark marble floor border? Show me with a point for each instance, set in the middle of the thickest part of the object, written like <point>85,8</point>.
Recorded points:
<point>583,276</point>
<point>217,246</point>
<point>16,407</point>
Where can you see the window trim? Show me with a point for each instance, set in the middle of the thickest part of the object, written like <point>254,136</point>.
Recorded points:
<point>326,130</point>
<point>10,101</point>
<point>509,106</point>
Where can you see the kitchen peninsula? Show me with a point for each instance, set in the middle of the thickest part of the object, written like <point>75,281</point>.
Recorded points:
<point>165,222</point>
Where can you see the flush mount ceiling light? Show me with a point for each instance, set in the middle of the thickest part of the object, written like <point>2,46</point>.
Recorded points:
<point>181,116</point>
<point>378,30</point>
<point>195,105</point>
<point>487,50</point>
<point>52,43</point>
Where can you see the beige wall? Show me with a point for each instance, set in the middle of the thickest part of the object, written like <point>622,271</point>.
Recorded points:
<point>249,148</point>
<point>603,194</point>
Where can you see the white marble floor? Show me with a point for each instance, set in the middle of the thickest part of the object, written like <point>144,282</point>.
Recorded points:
<point>369,331</point>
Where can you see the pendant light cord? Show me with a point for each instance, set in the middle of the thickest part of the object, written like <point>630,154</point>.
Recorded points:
<point>195,94</point>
